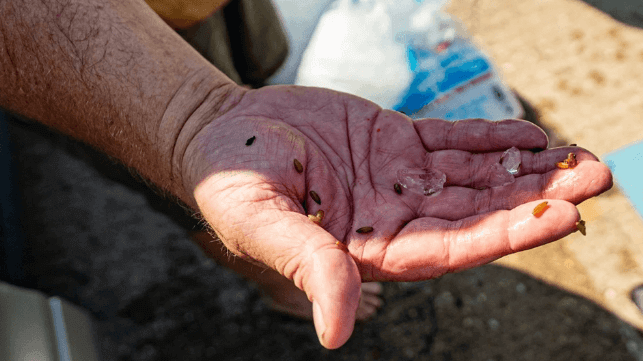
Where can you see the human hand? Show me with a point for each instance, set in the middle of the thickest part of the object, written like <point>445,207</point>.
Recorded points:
<point>350,149</point>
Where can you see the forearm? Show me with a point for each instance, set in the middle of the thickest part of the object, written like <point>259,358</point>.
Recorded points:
<point>112,74</point>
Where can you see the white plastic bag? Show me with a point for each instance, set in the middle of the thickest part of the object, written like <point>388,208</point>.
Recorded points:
<point>405,55</point>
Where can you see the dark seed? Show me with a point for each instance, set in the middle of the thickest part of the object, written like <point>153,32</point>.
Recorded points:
<point>298,166</point>
<point>365,230</point>
<point>315,197</point>
<point>580,225</point>
<point>250,141</point>
<point>573,145</point>
<point>398,188</point>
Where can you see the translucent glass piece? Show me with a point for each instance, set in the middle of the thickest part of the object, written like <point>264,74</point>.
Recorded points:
<point>511,160</point>
<point>422,181</point>
<point>498,176</point>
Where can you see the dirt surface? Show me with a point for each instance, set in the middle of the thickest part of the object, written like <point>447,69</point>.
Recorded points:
<point>154,296</point>
<point>582,70</point>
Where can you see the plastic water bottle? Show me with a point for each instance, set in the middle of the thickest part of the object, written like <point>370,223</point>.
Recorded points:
<point>406,55</point>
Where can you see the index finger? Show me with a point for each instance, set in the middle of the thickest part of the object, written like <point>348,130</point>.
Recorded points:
<point>430,247</point>
<point>480,135</point>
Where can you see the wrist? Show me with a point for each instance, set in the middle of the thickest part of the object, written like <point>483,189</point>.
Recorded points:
<point>200,102</point>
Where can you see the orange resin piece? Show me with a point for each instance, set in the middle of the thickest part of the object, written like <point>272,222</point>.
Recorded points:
<point>570,162</point>
<point>540,209</point>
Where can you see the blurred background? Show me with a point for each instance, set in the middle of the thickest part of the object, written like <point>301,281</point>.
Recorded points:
<point>577,67</point>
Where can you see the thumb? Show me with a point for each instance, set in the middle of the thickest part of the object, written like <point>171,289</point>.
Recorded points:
<point>334,287</point>
<point>289,242</point>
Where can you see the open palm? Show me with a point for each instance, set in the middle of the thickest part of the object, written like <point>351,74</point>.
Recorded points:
<point>257,202</point>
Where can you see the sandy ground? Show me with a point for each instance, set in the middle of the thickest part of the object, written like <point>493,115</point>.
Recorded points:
<point>582,70</point>
<point>155,296</point>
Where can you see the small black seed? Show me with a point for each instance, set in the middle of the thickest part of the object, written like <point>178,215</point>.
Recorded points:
<point>580,225</point>
<point>298,166</point>
<point>250,141</point>
<point>573,145</point>
<point>365,230</point>
<point>315,197</point>
<point>398,188</point>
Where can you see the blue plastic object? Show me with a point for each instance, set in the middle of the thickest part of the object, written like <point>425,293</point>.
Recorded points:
<point>627,167</point>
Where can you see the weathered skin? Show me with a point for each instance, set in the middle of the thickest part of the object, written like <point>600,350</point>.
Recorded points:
<point>114,75</point>
<point>351,150</point>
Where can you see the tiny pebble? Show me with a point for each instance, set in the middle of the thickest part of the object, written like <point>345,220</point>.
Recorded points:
<point>250,141</point>
<point>444,300</point>
<point>493,324</point>
<point>632,347</point>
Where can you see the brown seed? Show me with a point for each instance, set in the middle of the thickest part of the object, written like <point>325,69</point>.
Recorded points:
<point>573,145</point>
<point>250,141</point>
<point>540,209</point>
<point>317,218</point>
<point>298,166</point>
<point>580,225</point>
<point>366,229</point>
<point>315,197</point>
<point>398,188</point>
<point>570,162</point>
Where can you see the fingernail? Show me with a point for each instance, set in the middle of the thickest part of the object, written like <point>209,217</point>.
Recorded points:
<point>318,317</point>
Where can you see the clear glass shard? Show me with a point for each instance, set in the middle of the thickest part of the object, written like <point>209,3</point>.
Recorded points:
<point>422,181</point>
<point>498,176</point>
<point>511,160</point>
